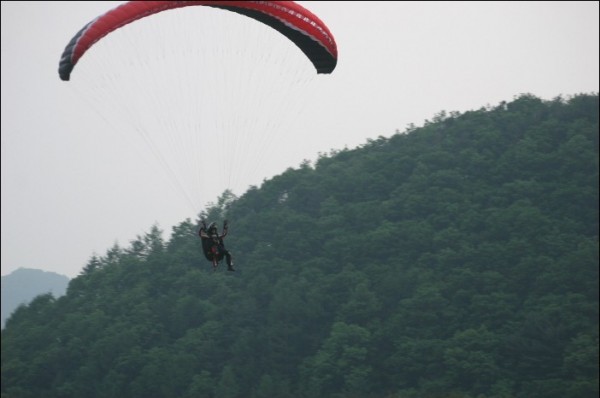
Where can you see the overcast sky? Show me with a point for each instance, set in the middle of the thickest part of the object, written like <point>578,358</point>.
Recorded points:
<point>74,182</point>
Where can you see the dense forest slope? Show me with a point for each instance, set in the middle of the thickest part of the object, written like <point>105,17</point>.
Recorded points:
<point>456,259</point>
<point>24,284</point>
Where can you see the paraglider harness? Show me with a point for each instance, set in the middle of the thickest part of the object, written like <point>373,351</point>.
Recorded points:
<point>212,246</point>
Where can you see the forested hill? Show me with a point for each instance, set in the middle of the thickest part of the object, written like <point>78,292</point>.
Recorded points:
<point>456,259</point>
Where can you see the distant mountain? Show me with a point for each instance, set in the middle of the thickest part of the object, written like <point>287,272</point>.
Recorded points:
<point>24,284</point>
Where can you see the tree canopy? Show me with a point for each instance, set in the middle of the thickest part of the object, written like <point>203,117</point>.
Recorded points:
<point>456,259</point>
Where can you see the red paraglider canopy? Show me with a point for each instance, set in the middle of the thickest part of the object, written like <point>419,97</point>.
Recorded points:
<point>298,24</point>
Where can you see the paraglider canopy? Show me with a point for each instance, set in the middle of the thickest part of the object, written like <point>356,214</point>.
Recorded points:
<point>298,24</point>
<point>203,95</point>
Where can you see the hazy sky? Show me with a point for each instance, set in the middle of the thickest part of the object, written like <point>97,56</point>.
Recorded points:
<point>75,179</point>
